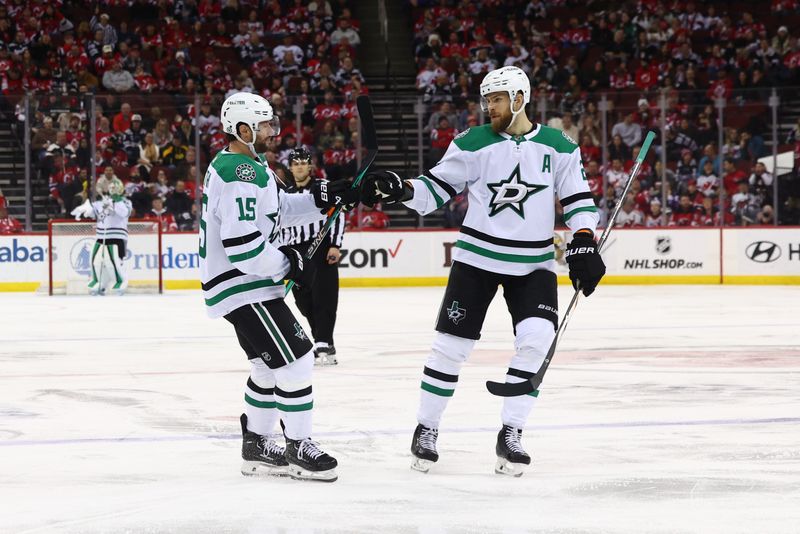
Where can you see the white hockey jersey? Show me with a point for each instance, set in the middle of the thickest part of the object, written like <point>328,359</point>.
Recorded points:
<point>513,183</point>
<point>243,210</point>
<point>112,219</point>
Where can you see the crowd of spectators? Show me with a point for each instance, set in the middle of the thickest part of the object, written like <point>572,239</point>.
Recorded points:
<point>158,72</point>
<point>690,52</point>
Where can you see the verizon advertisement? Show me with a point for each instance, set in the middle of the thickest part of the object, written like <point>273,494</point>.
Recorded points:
<point>762,255</point>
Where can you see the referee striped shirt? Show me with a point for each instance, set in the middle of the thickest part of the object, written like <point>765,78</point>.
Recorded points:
<point>303,233</point>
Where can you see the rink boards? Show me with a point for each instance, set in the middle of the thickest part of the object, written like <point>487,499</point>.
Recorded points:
<point>422,258</point>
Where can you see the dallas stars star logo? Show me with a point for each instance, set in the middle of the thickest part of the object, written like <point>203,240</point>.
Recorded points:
<point>273,217</point>
<point>512,193</point>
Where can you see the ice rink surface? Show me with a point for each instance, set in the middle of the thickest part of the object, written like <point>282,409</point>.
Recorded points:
<point>668,409</point>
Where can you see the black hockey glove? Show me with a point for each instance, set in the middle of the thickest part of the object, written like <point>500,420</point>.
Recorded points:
<point>586,267</point>
<point>328,194</point>
<point>384,186</point>
<point>297,265</point>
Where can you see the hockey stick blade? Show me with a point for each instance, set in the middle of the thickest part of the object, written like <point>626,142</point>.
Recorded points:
<point>369,138</point>
<point>504,389</point>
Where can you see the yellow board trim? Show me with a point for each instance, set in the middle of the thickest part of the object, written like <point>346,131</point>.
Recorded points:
<point>403,281</point>
<point>677,279</point>
<point>19,286</point>
<point>440,281</point>
<point>743,279</point>
<point>181,284</point>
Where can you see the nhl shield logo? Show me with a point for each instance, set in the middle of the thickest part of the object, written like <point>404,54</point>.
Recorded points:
<point>245,172</point>
<point>663,244</point>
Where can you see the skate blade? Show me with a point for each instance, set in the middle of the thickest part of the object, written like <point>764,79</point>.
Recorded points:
<point>298,473</point>
<point>260,469</point>
<point>504,467</point>
<point>325,361</point>
<point>423,466</point>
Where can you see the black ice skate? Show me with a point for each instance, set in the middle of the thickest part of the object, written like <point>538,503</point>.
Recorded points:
<point>423,447</point>
<point>261,455</point>
<point>325,354</point>
<point>308,462</point>
<point>511,457</point>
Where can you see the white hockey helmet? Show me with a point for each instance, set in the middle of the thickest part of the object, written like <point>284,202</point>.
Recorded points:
<point>250,109</point>
<point>511,80</point>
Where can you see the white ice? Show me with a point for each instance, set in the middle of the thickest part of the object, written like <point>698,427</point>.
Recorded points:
<point>668,409</point>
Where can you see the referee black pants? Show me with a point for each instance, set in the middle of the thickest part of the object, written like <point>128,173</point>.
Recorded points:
<point>318,299</point>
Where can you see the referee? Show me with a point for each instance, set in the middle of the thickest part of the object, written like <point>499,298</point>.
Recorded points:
<point>318,299</point>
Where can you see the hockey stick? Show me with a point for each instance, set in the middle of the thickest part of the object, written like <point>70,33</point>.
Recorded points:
<point>370,141</point>
<point>502,389</point>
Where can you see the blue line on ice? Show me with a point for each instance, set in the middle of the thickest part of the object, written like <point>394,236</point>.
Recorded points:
<point>355,434</point>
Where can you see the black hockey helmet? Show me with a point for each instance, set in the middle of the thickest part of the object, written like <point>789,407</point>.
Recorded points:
<point>299,154</point>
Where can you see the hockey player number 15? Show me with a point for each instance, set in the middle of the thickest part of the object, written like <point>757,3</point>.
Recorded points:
<point>247,208</point>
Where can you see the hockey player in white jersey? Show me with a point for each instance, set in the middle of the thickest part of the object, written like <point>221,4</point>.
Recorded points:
<point>111,210</point>
<point>514,170</point>
<point>242,275</point>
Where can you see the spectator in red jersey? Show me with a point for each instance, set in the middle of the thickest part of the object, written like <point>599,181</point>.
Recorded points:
<point>367,218</point>
<point>589,150</point>
<point>441,136</point>
<point>595,179</point>
<point>731,176</point>
<point>122,120</point>
<point>694,194</point>
<point>8,224</point>
<point>684,213</point>
<point>328,108</point>
<point>629,216</point>
<point>646,76</point>
<point>707,215</point>
<point>159,213</point>
<point>721,87</point>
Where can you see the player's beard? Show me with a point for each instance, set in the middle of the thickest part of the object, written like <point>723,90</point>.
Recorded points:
<point>260,146</point>
<point>501,123</point>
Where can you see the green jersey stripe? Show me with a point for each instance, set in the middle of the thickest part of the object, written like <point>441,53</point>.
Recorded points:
<point>274,332</point>
<point>439,200</point>
<point>568,215</point>
<point>437,391</point>
<point>513,258</point>
<point>241,288</point>
<point>295,407</point>
<point>259,404</point>
<point>247,255</point>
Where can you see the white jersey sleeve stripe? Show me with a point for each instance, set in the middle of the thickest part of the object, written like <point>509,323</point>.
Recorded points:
<point>237,241</point>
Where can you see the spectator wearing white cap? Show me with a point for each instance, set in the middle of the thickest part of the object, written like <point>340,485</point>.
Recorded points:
<point>102,23</point>
<point>782,42</point>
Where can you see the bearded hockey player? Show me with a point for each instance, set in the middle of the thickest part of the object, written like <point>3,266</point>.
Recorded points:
<point>514,170</point>
<point>242,279</point>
